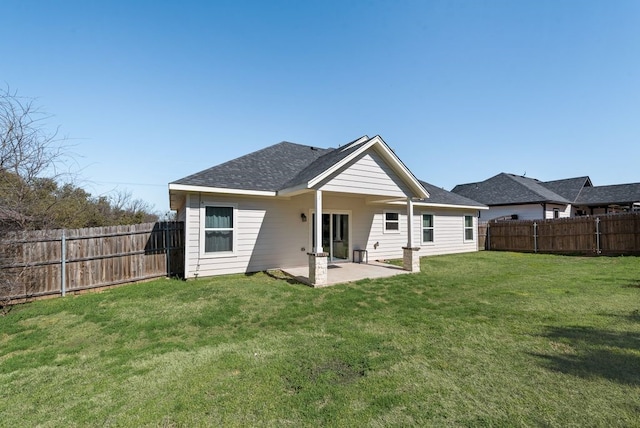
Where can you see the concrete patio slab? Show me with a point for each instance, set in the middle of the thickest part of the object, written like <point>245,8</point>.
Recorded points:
<point>339,273</point>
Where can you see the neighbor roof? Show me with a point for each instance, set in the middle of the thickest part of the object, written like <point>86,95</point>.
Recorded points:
<point>606,195</point>
<point>570,188</point>
<point>509,189</point>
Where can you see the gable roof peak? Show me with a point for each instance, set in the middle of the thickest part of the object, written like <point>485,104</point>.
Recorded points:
<point>354,143</point>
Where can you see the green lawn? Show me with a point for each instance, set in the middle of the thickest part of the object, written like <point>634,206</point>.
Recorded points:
<point>483,339</point>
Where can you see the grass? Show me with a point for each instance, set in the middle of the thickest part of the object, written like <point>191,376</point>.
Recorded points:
<point>483,339</point>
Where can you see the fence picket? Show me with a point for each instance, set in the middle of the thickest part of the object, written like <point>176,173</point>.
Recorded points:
<point>613,234</point>
<point>58,262</point>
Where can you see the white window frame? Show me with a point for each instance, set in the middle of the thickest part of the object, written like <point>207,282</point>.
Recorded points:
<point>234,230</point>
<point>384,221</point>
<point>465,228</point>
<point>433,228</point>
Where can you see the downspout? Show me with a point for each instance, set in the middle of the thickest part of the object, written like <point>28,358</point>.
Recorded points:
<point>187,210</point>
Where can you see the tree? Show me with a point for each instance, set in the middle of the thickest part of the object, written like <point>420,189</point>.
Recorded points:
<point>33,191</point>
<point>28,152</point>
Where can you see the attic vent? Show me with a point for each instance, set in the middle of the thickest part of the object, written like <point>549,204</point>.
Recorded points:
<point>313,148</point>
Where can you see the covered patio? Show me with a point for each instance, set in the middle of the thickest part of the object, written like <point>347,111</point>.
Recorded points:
<point>339,273</point>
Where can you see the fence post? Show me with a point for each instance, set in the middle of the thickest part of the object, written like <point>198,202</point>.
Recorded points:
<point>488,243</point>
<point>63,264</point>
<point>167,243</point>
<point>535,237</point>
<point>598,251</point>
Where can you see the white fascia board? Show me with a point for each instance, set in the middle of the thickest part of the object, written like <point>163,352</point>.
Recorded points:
<point>398,166</point>
<point>205,189</point>
<point>468,207</point>
<point>292,191</point>
<point>389,156</point>
<point>394,201</point>
<point>318,178</point>
<point>358,141</point>
<point>427,204</point>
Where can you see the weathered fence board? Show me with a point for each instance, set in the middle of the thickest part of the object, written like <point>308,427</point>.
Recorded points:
<point>93,257</point>
<point>482,236</point>
<point>614,234</point>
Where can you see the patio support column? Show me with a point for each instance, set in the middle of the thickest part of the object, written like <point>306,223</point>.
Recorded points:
<point>410,254</point>
<point>318,259</point>
<point>409,223</point>
<point>318,222</point>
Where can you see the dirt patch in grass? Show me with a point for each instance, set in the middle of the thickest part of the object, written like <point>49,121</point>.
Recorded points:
<point>331,372</point>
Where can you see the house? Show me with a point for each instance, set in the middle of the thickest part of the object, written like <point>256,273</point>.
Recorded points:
<point>258,211</point>
<point>524,198</point>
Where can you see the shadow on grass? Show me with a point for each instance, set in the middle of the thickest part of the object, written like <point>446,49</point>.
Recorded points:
<point>633,316</point>
<point>589,352</point>
<point>280,275</point>
<point>633,284</point>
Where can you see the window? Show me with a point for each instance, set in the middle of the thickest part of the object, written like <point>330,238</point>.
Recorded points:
<point>391,221</point>
<point>556,213</point>
<point>468,228</point>
<point>427,228</point>
<point>219,229</point>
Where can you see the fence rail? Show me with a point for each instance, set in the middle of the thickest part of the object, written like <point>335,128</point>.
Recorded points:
<point>54,262</point>
<point>614,234</point>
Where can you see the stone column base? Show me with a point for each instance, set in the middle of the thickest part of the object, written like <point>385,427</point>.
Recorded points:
<point>411,259</point>
<point>318,274</point>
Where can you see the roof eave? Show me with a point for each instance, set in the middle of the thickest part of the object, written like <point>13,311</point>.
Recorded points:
<point>223,190</point>
<point>295,190</point>
<point>427,204</point>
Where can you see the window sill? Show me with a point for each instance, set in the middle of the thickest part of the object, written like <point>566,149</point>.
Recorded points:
<point>220,255</point>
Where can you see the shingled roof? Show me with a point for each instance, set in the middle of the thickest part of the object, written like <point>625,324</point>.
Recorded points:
<point>278,167</point>
<point>286,165</point>
<point>329,158</point>
<point>569,188</point>
<point>269,169</point>
<point>509,189</point>
<point>622,194</point>
<point>438,195</point>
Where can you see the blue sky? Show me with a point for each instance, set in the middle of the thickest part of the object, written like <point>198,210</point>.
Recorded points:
<point>151,91</point>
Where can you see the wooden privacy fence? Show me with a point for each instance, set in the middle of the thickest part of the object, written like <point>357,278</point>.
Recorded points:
<point>482,236</point>
<point>614,234</point>
<point>55,262</point>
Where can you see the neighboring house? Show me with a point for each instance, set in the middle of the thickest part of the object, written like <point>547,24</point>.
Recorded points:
<point>517,197</point>
<point>257,212</point>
